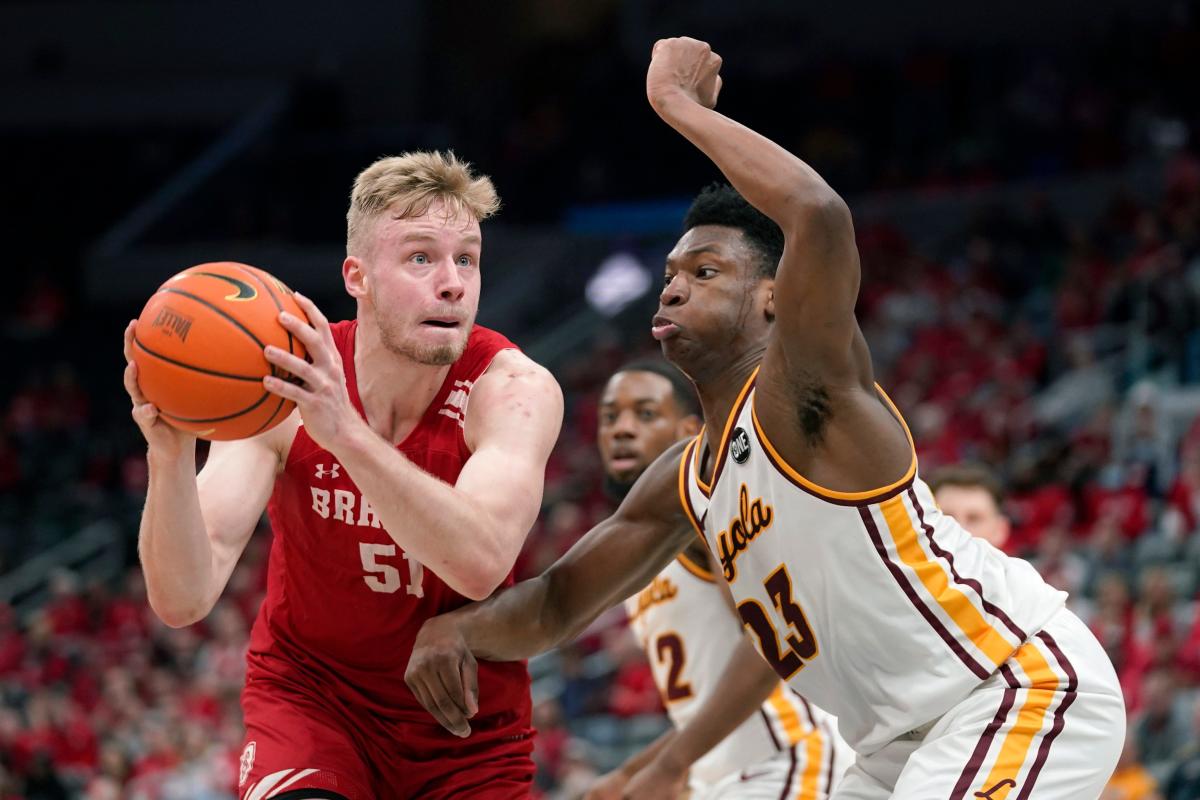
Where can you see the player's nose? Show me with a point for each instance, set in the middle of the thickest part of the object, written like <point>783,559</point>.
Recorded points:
<point>450,284</point>
<point>675,292</point>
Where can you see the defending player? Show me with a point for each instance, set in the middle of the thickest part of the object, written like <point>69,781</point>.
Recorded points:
<point>954,671</point>
<point>738,731</point>
<point>391,499</point>
<point>972,495</point>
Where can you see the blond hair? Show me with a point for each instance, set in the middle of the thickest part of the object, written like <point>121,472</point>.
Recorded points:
<point>408,185</point>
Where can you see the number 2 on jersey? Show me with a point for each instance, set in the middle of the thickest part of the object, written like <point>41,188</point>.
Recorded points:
<point>384,578</point>
<point>671,645</point>
<point>800,643</point>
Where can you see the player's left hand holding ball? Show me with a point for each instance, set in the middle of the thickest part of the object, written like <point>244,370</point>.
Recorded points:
<point>320,392</point>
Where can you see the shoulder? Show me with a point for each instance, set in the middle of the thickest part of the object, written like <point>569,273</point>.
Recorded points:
<point>515,396</point>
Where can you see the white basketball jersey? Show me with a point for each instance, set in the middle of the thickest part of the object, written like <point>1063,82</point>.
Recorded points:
<point>873,605</point>
<point>689,633</point>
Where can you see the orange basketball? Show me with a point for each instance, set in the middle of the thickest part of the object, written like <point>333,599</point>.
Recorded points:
<point>199,350</point>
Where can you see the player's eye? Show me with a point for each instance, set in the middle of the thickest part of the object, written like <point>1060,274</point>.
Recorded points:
<point>465,261</point>
<point>706,272</point>
<point>647,415</point>
<point>420,258</point>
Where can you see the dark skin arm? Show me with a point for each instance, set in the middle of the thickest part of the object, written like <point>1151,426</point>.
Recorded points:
<point>747,681</point>
<point>815,393</point>
<point>614,560</point>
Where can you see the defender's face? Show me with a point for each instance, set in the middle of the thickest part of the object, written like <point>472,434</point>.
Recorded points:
<point>976,510</point>
<point>711,297</point>
<point>639,419</point>
<point>419,279</point>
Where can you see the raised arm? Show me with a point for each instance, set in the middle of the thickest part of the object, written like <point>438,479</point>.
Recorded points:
<point>614,560</point>
<point>469,534</point>
<point>817,282</point>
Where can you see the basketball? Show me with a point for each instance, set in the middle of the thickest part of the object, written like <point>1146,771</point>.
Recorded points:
<point>199,350</point>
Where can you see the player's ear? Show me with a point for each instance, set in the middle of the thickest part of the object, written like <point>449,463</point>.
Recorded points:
<point>354,275</point>
<point>688,427</point>
<point>769,306</point>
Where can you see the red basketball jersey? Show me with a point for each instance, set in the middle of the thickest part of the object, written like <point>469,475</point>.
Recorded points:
<point>344,601</point>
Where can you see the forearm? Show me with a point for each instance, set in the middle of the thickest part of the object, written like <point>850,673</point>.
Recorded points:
<point>173,544</point>
<point>441,527</point>
<point>770,178</point>
<point>746,683</point>
<point>639,760</point>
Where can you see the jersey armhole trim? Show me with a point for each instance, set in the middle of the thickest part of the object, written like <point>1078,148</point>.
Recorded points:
<point>685,501</point>
<point>694,568</point>
<point>842,498</point>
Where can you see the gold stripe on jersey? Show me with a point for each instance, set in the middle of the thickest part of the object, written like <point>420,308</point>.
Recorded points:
<point>722,450</point>
<point>933,575</point>
<point>694,568</point>
<point>788,715</point>
<point>832,494</point>
<point>814,761</point>
<point>1043,685</point>
<point>684,499</point>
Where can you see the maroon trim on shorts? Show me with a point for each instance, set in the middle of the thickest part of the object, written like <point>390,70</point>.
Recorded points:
<point>787,784</point>
<point>971,768</point>
<point>1069,695</point>
<point>978,669</point>
<point>770,730</point>
<point>948,557</point>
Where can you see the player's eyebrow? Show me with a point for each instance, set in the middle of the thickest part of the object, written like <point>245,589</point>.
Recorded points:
<point>700,249</point>
<point>418,236</point>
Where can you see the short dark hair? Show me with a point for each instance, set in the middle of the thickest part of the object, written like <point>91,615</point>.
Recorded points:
<point>681,387</point>
<point>720,204</point>
<point>968,476</point>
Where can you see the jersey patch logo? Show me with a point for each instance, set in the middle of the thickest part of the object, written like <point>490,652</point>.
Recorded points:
<point>739,446</point>
<point>247,762</point>
<point>332,472</point>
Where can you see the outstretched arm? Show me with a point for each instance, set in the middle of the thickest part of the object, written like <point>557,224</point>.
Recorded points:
<point>817,283</point>
<point>615,559</point>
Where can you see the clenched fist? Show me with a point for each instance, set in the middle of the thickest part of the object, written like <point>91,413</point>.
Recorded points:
<point>683,66</point>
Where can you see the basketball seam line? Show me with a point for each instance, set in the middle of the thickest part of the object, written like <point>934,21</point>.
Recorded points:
<point>212,372</point>
<point>217,309</point>
<point>245,410</point>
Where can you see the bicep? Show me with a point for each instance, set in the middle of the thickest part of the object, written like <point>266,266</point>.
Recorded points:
<point>512,424</point>
<point>234,486</point>
<point>817,283</point>
<point>622,554</point>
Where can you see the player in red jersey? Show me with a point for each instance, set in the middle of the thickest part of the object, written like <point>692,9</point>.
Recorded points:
<point>392,500</point>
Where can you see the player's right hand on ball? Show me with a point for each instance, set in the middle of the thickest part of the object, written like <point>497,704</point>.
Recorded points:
<point>162,438</point>
<point>443,675</point>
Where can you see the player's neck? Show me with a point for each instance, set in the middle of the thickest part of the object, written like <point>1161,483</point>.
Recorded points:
<point>395,391</point>
<point>719,391</point>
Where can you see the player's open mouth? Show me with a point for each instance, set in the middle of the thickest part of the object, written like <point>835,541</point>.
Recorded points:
<point>663,328</point>
<point>442,323</point>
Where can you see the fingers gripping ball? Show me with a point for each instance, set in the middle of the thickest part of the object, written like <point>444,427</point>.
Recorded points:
<point>199,350</point>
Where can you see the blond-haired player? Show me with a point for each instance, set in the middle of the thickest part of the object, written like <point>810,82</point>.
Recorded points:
<point>954,670</point>
<point>738,733</point>
<point>402,487</point>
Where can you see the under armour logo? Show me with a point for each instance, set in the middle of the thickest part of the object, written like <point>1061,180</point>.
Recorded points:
<point>1009,782</point>
<point>332,472</point>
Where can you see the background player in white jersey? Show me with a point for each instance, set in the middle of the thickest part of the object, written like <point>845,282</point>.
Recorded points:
<point>739,732</point>
<point>955,671</point>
